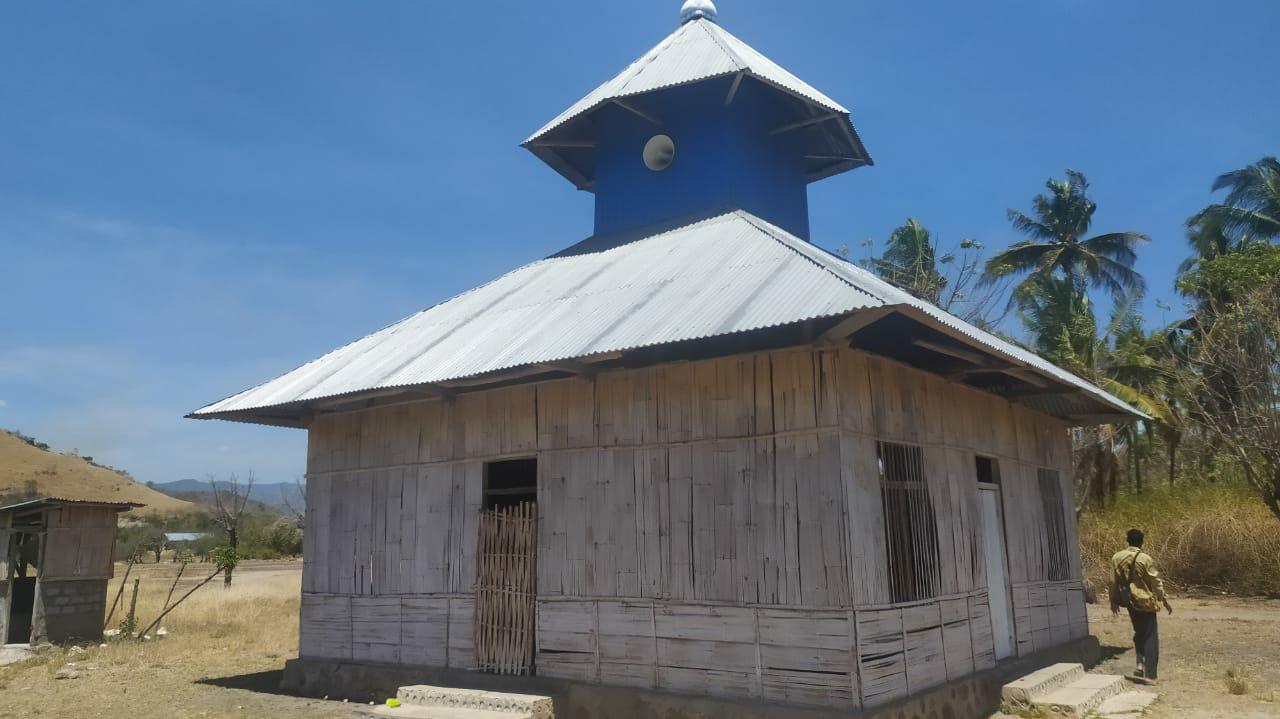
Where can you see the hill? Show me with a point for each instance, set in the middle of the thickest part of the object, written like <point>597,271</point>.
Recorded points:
<point>276,497</point>
<point>29,468</point>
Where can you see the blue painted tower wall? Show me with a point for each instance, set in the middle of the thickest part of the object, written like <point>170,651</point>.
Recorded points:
<point>725,156</point>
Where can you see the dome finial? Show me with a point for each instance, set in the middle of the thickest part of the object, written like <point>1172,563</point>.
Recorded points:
<point>694,9</point>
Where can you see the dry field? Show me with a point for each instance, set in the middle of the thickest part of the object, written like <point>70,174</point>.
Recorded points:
<point>225,651</point>
<point>222,657</point>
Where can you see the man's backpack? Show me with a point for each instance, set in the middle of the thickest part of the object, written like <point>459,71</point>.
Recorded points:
<point>1124,591</point>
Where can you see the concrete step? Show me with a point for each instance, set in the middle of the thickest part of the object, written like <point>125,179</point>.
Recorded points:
<point>1126,705</point>
<point>425,712</point>
<point>1081,696</point>
<point>536,707</point>
<point>1017,695</point>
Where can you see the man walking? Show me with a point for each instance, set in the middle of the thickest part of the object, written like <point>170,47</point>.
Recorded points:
<point>1136,585</point>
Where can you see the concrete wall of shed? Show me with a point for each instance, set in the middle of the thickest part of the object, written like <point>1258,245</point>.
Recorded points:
<point>711,526</point>
<point>69,611</point>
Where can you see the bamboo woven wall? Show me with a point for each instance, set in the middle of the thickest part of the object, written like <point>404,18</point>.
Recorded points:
<point>743,487</point>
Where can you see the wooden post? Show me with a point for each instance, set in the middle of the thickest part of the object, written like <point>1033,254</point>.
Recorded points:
<point>119,592</point>
<point>133,605</point>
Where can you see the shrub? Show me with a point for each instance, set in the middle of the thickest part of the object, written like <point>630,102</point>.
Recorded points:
<point>1236,682</point>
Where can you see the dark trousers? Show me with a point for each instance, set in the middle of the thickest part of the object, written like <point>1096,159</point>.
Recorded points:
<point>1146,639</point>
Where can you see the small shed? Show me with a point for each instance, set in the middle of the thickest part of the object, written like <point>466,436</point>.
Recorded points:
<point>56,561</point>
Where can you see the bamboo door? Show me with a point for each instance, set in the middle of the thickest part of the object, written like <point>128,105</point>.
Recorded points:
<point>505,589</point>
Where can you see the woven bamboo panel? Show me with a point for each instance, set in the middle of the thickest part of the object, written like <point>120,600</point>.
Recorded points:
<point>506,608</point>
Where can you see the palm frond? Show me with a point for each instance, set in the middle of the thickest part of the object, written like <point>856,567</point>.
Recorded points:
<point>1029,226</point>
<point>1253,198</point>
<point>1020,257</point>
<point>1118,246</point>
<point>1118,278</point>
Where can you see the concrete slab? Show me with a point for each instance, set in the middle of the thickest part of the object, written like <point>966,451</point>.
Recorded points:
<point>1020,693</point>
<point>14,653</point>
<point>533,705</point>
<point>421,712</point>
<point>1082,695</point>
<point>1126,705</point>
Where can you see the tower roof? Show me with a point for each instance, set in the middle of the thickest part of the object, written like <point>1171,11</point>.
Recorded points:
<point>700,50</point>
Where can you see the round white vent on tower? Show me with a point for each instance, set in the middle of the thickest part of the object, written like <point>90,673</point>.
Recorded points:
<point>659,151</point>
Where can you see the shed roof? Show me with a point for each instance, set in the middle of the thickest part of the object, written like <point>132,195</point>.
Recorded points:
<point>44,502</point>
<point>698,50</point>
<point>724,275</point>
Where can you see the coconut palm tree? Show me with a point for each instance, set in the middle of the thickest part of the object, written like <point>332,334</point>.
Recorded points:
<point>1057,313</point>
<point>1252,204</point>
<point>1208,237</point>
<point>910,261</point>
<point>1058,242</point>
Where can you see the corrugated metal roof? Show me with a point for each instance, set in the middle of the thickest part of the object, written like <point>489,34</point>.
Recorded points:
<point>698,50</point>
<point>723,275</point>
<point>54,501</point>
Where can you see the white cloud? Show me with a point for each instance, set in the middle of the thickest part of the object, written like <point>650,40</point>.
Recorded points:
<point>3,404</point>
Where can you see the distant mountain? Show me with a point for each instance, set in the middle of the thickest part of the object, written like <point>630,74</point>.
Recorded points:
<point>30,469</point>
<point>277,496</point>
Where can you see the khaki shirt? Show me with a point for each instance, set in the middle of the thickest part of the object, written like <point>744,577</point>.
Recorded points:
<point>1147,588</point>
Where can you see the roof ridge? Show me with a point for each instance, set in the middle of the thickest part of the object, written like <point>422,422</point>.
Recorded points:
<point>733,55</point>
<point>644,61</point>
<point>622,238</point>
<point>781,237</point>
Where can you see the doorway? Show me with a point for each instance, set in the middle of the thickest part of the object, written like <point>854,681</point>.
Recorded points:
<point>21,553</point>
<point>506,571</point>
<point>997,569</point>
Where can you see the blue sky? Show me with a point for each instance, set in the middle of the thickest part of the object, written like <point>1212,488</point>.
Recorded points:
<point>195,197</point>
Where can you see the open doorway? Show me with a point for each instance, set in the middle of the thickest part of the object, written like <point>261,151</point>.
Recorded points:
<point>510,482</point>
<point>22,553</point>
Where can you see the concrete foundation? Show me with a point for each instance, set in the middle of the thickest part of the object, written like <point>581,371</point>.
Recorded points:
<point>69,611</point>
<point>970,697</point>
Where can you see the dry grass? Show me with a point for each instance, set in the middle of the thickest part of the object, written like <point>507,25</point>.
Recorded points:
<point>222,656</point>
<point>1211,537</point>
<point>1236,682</point>
<point>66,475</point>
<point>264,601</point>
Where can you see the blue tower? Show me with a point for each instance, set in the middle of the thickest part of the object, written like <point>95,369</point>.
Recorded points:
<point>700,123</point>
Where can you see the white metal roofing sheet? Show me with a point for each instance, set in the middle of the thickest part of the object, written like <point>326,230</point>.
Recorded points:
<point>726,274</point>
<point>697,50</point>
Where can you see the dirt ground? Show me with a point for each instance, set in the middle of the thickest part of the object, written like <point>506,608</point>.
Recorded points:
<point>225,651</point>
<point>223,655</point>
<point>1204,638</point>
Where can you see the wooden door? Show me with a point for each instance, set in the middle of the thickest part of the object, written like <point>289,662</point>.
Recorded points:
<point>506,599</point>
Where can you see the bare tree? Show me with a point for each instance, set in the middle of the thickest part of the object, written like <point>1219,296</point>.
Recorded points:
<point>229,502</point>
<point>967,296</point>
<point>297,508</point>
<point>1231,383</point>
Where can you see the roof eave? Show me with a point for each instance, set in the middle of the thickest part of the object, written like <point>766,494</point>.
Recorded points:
<point>1119,410</point>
